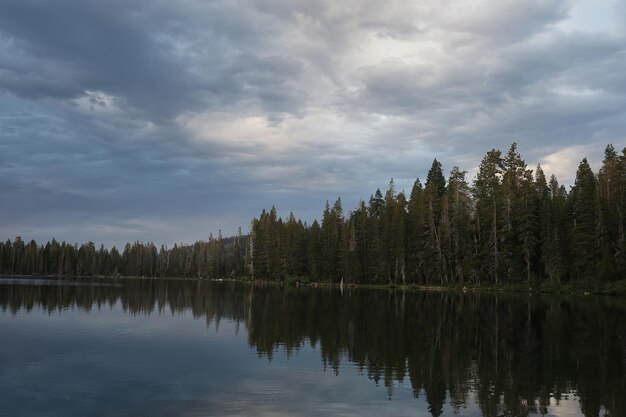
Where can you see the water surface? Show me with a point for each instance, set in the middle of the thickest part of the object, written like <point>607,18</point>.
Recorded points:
<point>195,348</point>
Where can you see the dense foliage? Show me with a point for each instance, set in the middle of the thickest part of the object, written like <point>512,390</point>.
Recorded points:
<point>510,225</point>
<point>217,257</point>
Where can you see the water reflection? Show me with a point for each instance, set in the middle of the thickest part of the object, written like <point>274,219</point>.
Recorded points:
<point>510,355</point>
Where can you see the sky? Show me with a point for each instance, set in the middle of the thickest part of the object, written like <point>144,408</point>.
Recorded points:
<point>164,121</point>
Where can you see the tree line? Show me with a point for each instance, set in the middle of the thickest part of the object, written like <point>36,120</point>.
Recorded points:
<point>511,224</point>
<point>217,257</point>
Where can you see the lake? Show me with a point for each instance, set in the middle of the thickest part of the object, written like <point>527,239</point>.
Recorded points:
<point>196,348</point>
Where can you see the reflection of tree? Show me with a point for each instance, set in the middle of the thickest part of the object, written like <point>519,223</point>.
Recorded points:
<point>510,354</point>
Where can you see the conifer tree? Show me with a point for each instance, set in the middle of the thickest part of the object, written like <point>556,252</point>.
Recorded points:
<point>315,269</point>
<point>514,204</point>
<point>459,197</point>
<point>362,232</point>
<point>529,222</point>
<point>401,239</point>
<point>416,223</point>
<point>609,194</point>
<point>584,222</point>
<point>510,226</point>
<point>376,264</point>
<point>434,193</point>
<point>389,232</point>
<point>488,201</point>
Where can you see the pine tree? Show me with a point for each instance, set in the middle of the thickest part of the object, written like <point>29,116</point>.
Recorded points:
<point>376,250</point>
<point>332,222</point>
<point>488,200</point>
<point>620,251</point>
<point>562,247</point>
<point>434,193</point>
<point>388,232</point>
<point>583,227</point>
<point>609,194</point>
<point>416,224</point>
<point>514,204</point>
<point>315,251</point>
<point>546,219</point>
<point>510,226</point>
<point>459,198</point>
<point>362,231</point>
<point>401,238</point>
<point>529,222</point>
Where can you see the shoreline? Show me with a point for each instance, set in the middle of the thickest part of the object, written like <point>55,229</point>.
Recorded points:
<point>617,288</point>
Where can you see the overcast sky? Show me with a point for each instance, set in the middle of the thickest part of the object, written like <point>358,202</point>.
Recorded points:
<point>161,120</point>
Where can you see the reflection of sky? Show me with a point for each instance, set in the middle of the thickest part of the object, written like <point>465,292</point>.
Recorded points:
<point>109,363</point>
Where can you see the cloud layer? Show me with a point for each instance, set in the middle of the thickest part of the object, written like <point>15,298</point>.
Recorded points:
<point>151,120</point>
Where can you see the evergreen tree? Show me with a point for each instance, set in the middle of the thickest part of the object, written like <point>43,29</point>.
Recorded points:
<point>510,226</point>
<point>434,197</point>
<point>315,251</point>
<point>584,222</point>
<point>488,200</point>
<point>460,204</point>
<point>529,223</point>
<point>376,251</point>
<point>514,206</point>
<point>400,243</point>
<point>609,222</point>
<point>557,248</point>
<point>417,225</point>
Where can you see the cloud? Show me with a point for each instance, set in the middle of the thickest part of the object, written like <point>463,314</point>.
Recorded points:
<point>126,110</point>
<point>505,23</point>
<point>564,162</point>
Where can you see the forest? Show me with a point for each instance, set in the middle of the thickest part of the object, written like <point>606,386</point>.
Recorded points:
<point>509,225</point>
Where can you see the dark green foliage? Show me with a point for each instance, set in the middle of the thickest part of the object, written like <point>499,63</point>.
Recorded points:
<point>511,226</point>
<point>459,238</point>
<point>215,258</point>
<point>416,224</point>
<point>610,209</point>
<point>488,202</point>
<point>584,226</point>
<point>436,224</point>
<point>554,223</point>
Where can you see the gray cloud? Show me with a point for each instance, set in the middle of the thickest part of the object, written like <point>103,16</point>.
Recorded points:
<point>164,121</point>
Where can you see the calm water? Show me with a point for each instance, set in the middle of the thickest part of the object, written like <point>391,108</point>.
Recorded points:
<point>190,348</point>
